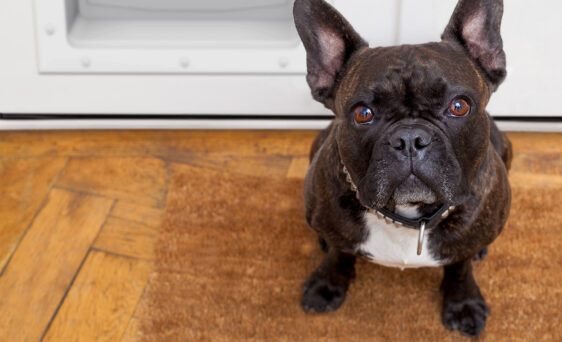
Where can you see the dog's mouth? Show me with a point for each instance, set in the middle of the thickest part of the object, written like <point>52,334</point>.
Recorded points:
<point>413,191</point>
<point>412,198</point>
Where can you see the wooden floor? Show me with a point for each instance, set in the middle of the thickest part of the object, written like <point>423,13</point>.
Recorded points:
<point>79,213</point>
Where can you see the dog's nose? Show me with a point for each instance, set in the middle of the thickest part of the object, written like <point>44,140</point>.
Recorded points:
<point>410,141</point>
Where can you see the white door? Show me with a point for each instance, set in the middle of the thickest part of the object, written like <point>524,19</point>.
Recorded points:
<point>262,77</point>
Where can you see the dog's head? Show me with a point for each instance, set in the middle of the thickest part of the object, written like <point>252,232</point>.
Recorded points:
<point>411,121</point>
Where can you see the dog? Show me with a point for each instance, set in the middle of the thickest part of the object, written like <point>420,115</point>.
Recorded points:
<point>412,171</point>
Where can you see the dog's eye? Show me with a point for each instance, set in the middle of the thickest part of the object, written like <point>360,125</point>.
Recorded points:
<point>459,107</point>
<point>363,115</point>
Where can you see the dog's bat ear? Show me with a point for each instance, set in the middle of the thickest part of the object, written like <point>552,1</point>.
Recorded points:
<point>476,24</point>
<point>329,41</point>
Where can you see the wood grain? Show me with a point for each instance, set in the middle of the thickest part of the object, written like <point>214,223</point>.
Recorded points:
<point>536,142</point>
<point>133,332</point>
<point>298,168</point>
<point>136,213</point>
<point>537,162</point>
<point>134,180</point>
<point>127,238</point>
<point>131,230</point>
<point>24,184</point>
<point>529,179</point>
<point>267,166</point>
<point>102,299</point>
<point>175,145</point>
<point>46,261</point>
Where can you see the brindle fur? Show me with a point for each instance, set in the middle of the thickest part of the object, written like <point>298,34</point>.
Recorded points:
<point>467,163</point>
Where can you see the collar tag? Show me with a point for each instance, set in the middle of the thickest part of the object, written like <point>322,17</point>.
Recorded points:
<point>420,237</point>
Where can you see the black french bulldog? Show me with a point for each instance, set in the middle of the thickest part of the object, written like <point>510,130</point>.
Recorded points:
<point>412,172</point>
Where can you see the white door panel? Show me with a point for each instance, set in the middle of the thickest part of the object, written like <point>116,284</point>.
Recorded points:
<point>268,82</point>
<point>51,63</point>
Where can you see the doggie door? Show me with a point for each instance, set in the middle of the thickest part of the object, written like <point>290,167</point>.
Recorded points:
<point>196,36</point>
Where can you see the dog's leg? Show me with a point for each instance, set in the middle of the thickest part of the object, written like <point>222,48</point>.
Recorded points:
<point>326,288</point>
<point>464,308</point>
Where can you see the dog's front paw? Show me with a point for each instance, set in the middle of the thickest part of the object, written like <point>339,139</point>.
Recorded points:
<point>321,294</point>
<point>468,316</point>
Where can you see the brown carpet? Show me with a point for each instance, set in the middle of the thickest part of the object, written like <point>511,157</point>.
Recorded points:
<point>235,250</point>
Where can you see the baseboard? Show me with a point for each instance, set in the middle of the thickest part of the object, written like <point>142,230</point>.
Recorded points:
<point>94,121</point>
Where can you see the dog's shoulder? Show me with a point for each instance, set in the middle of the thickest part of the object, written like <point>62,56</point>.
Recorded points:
<point>331,208</point>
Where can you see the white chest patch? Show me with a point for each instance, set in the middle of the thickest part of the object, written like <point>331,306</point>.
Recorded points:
<point>393,246</point>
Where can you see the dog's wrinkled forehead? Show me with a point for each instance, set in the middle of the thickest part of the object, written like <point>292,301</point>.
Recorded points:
<point>419,77</point>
